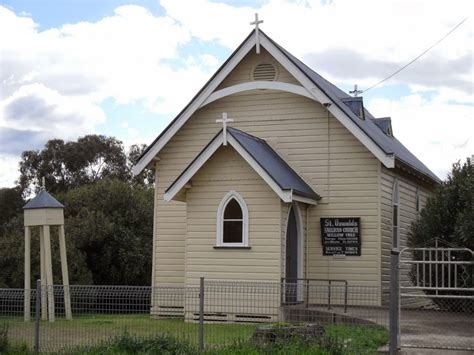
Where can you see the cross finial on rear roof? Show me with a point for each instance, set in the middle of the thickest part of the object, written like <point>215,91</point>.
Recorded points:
<point>224,120</point>
<point>356,91</point>
<point>257,39</point>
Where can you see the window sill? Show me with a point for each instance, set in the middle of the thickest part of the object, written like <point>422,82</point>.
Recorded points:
<point>231,247</point>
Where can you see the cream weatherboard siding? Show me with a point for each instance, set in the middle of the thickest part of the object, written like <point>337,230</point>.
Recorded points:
<point>353,175</point>
<point>408,214</point>
<point>315,144</point>
<point>325,154</point>
<point>243,72</point>
<point>227,171</point>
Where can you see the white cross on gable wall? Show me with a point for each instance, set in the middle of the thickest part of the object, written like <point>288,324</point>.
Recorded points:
<point>257,38</point>
<point>224,120</point>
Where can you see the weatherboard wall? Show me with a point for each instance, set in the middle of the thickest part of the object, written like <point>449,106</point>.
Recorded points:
<point>243,72</point>
<point>315,145</point>
<point>323,152</point>
<point>225,171</point>
<point>408,214</point>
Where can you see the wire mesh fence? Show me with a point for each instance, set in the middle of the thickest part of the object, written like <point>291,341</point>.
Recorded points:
<point>222,312</point>
<point>207,316</point>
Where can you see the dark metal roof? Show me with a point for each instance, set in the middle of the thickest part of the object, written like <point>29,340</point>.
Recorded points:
<point>356,104</point>
<point>43,200</point>
<point>385,124</point>
<point>390,145</point>
<point>273,164</point>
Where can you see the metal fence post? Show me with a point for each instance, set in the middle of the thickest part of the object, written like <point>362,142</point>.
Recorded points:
<point>345,297</point>
<point>394,310</point>
<point>329,294</point>
<point>37,316</point>
<point>201,314</point>
<point>307,293</point>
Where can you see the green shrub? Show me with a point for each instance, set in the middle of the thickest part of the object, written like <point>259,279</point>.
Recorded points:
<point>3,337</point>
<point>129,344</point>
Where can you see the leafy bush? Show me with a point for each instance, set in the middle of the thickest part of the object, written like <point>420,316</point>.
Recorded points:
<point>3,337</point>
<point>336,340</point>
<point>449,217</point>
<point>130,344</point>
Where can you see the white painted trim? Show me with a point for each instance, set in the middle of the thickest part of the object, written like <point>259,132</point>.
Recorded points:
<point>299,224</point>
<point>193,169</point>
<point>303,199</point>
<point>387,160</point>
<point>193,106</point>
<point>258,85</point>
<point>300,250</point>
<point>220,220</point>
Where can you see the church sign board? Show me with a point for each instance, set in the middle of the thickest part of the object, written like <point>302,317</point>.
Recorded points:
<point>341,236</point>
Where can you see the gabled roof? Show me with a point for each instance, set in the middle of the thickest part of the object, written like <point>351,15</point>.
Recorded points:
<point>43,200</point>
<point>390,145</point>
<point>386,148</point>
<point>261,157</point>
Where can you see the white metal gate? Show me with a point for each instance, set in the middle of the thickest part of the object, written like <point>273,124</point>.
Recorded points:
<point>437,297</point>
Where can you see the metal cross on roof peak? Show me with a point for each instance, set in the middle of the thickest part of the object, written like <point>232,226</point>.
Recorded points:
<point>224,120</point>
<point>257,38</point>
<point>43,183</point>
<point>356,92</point>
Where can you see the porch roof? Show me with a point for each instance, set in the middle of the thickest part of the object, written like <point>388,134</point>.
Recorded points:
<point>286,182</point>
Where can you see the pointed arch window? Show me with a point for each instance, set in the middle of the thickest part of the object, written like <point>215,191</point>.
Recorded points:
<point>232,221</point>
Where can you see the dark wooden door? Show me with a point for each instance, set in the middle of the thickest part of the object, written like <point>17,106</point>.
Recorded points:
<point>291,274</point>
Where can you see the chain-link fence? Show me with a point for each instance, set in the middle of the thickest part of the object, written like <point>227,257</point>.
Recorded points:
<point>207,316</point>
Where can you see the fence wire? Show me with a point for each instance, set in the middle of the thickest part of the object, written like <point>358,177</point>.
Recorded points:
<point>228,312</point>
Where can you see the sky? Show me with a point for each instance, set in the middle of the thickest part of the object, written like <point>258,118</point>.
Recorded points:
<point>127,68</point>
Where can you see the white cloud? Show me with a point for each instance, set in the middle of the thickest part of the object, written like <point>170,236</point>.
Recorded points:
<point>134,56</point>
<point>437,132</point>
<point>39,108</point>
<point>370,31</point>
<point>9,171</point>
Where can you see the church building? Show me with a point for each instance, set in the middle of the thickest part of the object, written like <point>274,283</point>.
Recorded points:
<point>271,172</point>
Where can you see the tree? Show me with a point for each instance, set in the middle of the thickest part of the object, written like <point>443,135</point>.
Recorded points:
<point>108,212</point>
<point>73,164</point>
<point>449,217</point>
<point>12,257</point>
<point>111,223</point>
<point>146,177</point>
<point>449,213</point>
<point>11,203</point>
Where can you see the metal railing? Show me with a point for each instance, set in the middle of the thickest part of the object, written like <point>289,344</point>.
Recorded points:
<point>294,285</point>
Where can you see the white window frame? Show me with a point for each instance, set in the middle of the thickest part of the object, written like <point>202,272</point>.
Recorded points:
<point>396,202</point>
<point>220,220</point>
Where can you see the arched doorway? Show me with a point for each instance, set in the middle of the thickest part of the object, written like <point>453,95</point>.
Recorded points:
<point>293,256</point>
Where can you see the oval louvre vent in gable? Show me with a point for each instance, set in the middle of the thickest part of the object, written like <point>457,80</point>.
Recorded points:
<point>265,72</point>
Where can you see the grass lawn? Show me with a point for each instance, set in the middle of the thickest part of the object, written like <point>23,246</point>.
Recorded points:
<point>91,330</point>
<point>86,330</point>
